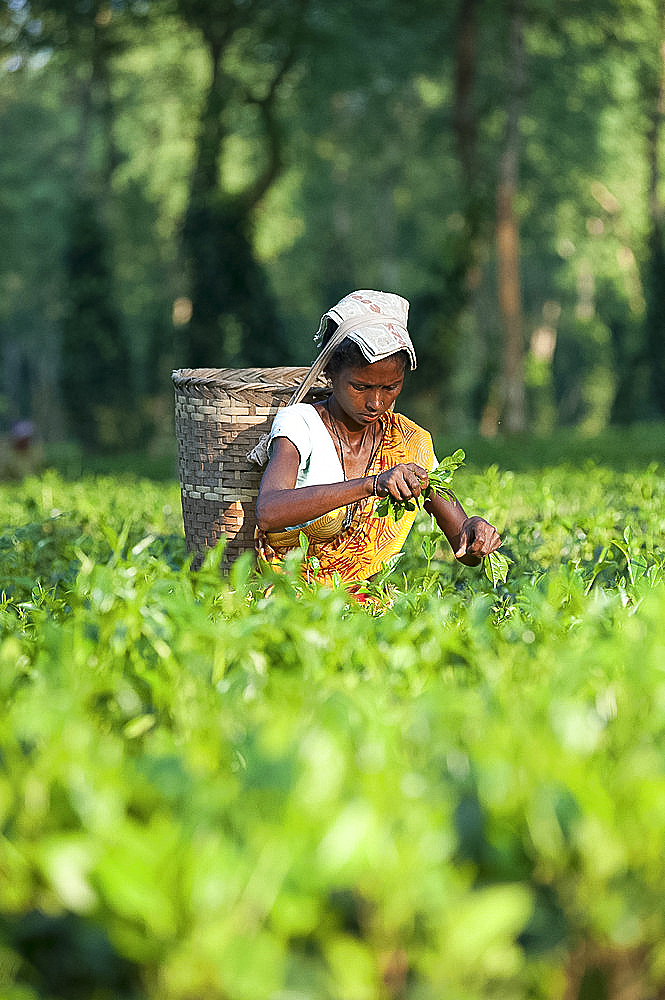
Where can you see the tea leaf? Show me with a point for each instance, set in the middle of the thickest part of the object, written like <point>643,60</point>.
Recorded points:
<point>438,480</point>
<point>495,566</point>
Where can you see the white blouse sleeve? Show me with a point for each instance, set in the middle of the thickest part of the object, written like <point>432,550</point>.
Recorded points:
<point>290,423</point>
<point>303,426</point>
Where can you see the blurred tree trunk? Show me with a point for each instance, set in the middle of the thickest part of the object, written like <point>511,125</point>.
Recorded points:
<point>613,973</point>
<point>464,119</point>
<point>438,312</point>
<point>234,318</point>
<point>655,280</point>
<point>474,205</point>
<point>507,232</point>
<point>97,375</point>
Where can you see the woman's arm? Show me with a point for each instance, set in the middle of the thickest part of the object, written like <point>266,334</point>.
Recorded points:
<point>280,505</point>
<point>471,538</point>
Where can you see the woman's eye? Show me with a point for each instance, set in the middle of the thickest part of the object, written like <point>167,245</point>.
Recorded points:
<point>366,388</point>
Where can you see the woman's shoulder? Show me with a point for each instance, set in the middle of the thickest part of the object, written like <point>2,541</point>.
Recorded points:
<point>296,415</point>
<point>305,411</point>
<point>301,424</point>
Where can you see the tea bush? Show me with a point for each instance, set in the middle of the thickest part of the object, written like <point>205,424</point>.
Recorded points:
<point>252,788</point>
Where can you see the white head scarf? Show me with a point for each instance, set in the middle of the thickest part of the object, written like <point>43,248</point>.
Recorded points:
<point>375,321</point>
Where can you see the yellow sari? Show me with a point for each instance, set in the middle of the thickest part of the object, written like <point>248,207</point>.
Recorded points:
<point>361,550</point>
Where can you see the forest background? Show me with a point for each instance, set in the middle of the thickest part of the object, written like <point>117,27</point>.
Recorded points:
<point>190,183</point>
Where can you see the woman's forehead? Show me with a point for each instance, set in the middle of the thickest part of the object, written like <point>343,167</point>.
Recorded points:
<point>388,370</point>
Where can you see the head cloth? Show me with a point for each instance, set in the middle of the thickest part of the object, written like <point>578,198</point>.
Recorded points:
<point>375,321</point>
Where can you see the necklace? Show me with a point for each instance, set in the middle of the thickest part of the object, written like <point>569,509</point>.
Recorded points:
<point>351,509</point>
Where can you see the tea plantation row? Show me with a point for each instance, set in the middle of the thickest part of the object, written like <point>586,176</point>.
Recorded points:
<point>248,788</point>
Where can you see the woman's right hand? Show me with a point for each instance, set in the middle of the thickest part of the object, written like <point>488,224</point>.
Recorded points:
<point>402,482</point>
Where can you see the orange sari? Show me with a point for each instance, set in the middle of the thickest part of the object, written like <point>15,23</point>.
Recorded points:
<point>370,541</point>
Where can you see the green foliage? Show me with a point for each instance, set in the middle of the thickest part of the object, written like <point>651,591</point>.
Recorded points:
<point>439,480</point>
<point>255,182</point>
<point>250,50</point>
<point>496,567</point>
<point>97,376</point>
<point>251,786</point>
<point>232,303</point>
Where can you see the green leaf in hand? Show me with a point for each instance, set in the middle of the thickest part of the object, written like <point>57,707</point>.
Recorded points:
<point>496,567</point>
<point>382,508</point>
<point>438,481</point>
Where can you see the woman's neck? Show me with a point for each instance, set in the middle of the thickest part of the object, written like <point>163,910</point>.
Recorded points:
<point>353,435</point>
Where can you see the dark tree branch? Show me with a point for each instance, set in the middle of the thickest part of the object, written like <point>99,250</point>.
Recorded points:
<point>266,105</point>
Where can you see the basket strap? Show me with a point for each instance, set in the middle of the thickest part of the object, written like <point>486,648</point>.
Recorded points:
<point>259,452</point>
<point>353,323</point>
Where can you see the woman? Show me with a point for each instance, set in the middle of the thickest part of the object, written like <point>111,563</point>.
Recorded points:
<point>329,461</point>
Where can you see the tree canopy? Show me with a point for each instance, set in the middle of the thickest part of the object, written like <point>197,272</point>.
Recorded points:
<point>247,163</point>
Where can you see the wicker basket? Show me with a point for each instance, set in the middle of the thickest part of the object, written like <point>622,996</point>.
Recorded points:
<point>220,415</point>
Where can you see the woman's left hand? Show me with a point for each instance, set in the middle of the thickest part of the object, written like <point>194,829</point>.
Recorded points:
<point>477,538</point>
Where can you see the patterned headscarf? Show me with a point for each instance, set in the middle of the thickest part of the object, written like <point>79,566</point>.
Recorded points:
<point>375,321</point>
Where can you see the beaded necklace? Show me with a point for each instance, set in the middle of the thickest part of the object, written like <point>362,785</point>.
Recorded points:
<point>351,509</point>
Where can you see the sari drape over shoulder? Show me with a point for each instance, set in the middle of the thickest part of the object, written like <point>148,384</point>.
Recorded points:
<point>361,551</point>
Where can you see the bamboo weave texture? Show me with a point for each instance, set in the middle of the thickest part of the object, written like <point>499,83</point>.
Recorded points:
<point>220,414</point>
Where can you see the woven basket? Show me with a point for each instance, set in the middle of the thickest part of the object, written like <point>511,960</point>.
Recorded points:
<point>220,415</point>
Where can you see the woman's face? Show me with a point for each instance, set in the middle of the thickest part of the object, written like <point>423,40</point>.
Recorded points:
<point>366,392</point>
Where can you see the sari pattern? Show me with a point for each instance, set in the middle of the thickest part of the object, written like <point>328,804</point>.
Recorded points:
<point>370,541</point>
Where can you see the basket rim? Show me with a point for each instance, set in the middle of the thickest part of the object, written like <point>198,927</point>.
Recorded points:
<point>283,378</point>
